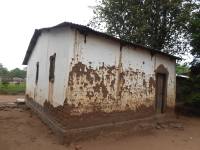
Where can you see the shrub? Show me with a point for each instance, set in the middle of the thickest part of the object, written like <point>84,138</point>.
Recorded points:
<point>12,88</point>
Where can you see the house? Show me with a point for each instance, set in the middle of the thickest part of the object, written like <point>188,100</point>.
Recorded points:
<point>183,83</point>
<point>17,80</point>
<point>81,78</point>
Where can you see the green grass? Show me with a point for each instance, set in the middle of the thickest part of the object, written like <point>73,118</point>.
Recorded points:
<point>12,89</point>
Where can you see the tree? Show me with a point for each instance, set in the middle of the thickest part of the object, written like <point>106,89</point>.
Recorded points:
<point>4,73</point>
<point>159,24</point>
<point>194,29</point>
<point>18,73</point>
<point>182,69</point>
<point>7,75</point>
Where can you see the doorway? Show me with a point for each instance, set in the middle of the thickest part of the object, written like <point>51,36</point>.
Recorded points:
<point>160,92</point>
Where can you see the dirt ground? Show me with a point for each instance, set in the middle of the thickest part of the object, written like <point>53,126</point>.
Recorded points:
<point>10,98</point>
<point>20,129</point>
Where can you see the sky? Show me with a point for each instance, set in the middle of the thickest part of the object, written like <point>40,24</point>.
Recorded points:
<point>19,19</point>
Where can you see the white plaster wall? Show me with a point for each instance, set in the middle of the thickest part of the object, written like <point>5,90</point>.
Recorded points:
<point>57,41</point>
<point>96,52</point>
<point>70,48</point>
<point>142,63</point>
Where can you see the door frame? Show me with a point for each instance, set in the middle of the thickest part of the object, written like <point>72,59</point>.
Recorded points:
<point>164,91</point>
<point>161,69</point>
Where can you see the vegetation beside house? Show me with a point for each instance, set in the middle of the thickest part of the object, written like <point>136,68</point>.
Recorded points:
<point>188,90</point>
<point>12,88</point>
<point>13,81</point>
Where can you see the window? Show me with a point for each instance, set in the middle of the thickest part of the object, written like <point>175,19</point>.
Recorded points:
<point>37,72</point>
<point>52,60</point>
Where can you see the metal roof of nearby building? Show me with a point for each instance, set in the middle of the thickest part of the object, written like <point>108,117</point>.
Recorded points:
<point>84,30</point>
<point>182,76</point>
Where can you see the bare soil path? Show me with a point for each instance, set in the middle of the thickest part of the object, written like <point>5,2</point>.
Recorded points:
<point>20,129</point>
<point>10,98</point>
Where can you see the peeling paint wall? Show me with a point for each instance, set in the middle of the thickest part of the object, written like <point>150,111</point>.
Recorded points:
<point>94,74</point>
<point>107,77</point>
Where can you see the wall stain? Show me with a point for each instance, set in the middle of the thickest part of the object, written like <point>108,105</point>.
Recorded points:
<point>108,88</point>
<point>92,96</point>
<point>63,115</point>
<point>152,84</point>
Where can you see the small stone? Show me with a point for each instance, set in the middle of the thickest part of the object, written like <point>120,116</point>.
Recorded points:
<point>158,127</point>
<point>163,126</point>
<point>176,125</point>
<point>77,147</point>
<point>50,132</point>
<point>20,101</point>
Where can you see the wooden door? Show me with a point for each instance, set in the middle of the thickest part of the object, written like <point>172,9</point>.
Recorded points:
<point>160,92</point>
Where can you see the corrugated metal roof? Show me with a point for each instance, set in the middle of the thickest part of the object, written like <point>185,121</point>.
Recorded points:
<point>85,30</point>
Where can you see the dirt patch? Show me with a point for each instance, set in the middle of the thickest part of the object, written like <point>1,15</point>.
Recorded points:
<point>179,136</point>
<point>20,129</point>
<point>10,98</point>
<point>63,115</point>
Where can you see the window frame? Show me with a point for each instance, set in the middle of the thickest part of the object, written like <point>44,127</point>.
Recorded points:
<point>37,73</point>
<point>52,62</point>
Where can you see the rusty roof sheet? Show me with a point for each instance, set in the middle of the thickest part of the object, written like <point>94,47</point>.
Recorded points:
<point>85,30</point>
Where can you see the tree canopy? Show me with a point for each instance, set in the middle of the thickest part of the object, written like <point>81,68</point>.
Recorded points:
<point>17,73</point>
<point>195,33</point>
<point>162,25</point>
<point>5,73</point>
<point>182,69</point>
<point>195,43</point>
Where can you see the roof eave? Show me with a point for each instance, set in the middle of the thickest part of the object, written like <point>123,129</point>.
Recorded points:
<point>85,29</point>
<point>31,46</point>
